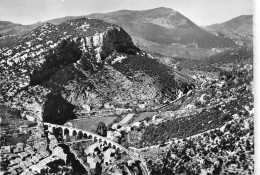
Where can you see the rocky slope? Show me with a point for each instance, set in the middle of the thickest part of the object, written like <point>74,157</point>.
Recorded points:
<point>49,71</point>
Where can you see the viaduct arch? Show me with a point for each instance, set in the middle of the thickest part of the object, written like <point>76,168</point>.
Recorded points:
<point>53,128</point>
<point>66,130</point>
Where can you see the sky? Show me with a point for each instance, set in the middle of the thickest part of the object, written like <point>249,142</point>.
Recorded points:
<point>202,12</point>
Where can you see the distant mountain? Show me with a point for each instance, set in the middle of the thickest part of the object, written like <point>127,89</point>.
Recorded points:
<point>160,30</point>
<point>242,24</point>
<point>160,25</point>
<point>164,26</point>
<point>9,28</point>
<point>239,28</point>
<point>163,30</point>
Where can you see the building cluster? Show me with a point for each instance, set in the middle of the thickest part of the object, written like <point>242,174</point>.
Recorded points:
<point>14,129</point>
<point>217,50</point>
<point>228,150</point>
<point>101,157</point>
<point>31,157</point>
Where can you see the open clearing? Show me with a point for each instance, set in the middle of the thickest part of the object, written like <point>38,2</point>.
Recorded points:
<point>90,124</point>
<point>143,115</point>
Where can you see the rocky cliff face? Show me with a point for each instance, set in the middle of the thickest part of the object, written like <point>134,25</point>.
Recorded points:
<point>55,68</point>
<point>33,58</point>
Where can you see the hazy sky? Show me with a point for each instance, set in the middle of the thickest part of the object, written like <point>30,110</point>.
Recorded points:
<point>202,12</point>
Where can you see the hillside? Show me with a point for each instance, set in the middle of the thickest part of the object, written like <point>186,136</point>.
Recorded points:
<point>9,28</point>
<point>242,24</point>
<point>239,28</point>
<point>53,69</point>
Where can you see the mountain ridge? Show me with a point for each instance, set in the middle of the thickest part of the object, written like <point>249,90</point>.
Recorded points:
<point>162,30</point>
<point>172,26</point>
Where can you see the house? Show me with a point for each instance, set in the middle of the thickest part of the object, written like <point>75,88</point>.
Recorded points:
<point>36,168</point>
<point>29,150</point>
<point>45,154</point>
<point>39,156</point>
<point>27,163</point>
<point>5,149</point>
<point>23,128</point>
<point>30,118</point>
<point>19,148</point>
<point>86,107</point>
<point>2,133</point>
<point>23,155</point>
<point>40,144</point>
<point>30,141</point>
<point>37,129</point>
<point>11,156</point>
<point>35,160</point>
<point>15,134</point>
<point>13,162</point>
<point>12,171</point>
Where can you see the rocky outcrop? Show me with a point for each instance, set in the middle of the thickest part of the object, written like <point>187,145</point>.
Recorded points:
<point>37,103</point>
<point>33,58</point>
<point>83,62</point>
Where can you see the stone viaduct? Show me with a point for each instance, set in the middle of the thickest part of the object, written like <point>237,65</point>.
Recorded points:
<point>83,134</point>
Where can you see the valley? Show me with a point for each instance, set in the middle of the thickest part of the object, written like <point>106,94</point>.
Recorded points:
<point>128,92</point>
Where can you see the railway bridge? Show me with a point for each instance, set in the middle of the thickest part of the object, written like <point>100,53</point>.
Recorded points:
<point>83,134</point>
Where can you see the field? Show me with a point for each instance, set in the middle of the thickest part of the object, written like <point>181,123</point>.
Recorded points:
<point>144,115</point>
<point>90,124</point>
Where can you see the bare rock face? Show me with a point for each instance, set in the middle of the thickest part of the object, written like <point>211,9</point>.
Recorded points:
<point>49,71</point>
<point>33,58</point>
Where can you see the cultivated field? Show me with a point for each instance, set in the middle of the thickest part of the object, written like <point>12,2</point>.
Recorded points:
<point>90,124</point>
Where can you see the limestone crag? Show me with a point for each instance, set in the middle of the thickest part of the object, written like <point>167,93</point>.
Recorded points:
<point>53,69</point>
<point>34,57</point>
<point>38,54</point>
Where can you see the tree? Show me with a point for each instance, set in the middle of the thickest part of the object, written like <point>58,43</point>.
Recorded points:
<point>101,129</point>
